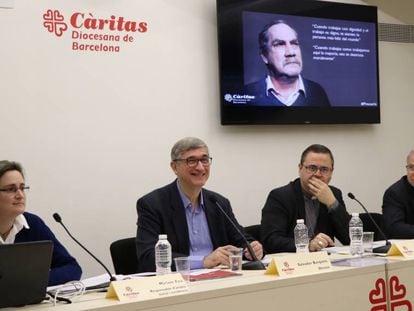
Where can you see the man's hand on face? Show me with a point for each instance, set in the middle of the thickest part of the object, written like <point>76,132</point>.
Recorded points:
<point>321,191</point>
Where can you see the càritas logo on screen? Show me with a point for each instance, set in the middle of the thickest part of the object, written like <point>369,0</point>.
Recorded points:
<point>238,98</point>
<point>93,34</point>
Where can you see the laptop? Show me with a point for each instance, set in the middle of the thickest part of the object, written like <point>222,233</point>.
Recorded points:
<point>24,272</point>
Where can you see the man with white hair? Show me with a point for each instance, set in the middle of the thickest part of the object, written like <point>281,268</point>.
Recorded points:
<point>398,204</point>
<point>284,85</point>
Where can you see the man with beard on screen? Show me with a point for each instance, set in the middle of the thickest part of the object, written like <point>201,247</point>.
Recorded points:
<point>284,86</point>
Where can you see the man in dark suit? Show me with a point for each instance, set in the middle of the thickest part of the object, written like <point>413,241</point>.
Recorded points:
<point>398,205</point>
<point>188,214</point>
<point>284,85</point>
<point>310,198</point>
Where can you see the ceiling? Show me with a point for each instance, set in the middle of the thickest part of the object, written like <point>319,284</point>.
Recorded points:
<point>402,10</point>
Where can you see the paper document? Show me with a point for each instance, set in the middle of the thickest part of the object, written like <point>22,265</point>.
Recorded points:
<point>209,274</point>
<point>98,282</point>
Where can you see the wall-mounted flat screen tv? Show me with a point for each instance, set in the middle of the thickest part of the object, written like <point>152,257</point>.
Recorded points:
<point>297,62</point>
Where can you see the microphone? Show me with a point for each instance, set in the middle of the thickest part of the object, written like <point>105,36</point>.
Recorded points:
<point>256,264</point>
<point>381,249</point>
<point>58,219</point>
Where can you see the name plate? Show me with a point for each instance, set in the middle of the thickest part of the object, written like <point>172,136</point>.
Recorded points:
<point>402,248</point>
<point>299,264</point>
<point>148,287</point>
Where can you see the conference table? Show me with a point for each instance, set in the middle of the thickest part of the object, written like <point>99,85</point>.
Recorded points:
<point>374,283</point>
<point>400,283</point>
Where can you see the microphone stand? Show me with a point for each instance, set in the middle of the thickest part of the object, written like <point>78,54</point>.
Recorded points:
<point>381,249</point>
<point>58,219</point>
<point>255,264</point>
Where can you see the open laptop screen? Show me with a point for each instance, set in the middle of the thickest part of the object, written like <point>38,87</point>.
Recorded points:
<point>24,272</point>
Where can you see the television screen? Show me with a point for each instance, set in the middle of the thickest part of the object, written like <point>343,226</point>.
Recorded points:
<point>293,62</point>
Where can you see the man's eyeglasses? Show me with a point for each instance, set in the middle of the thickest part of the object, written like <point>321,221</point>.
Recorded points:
<point>193,162</point>
<point>410,167</point>
<point>312,169</point>
<point>14,189</point>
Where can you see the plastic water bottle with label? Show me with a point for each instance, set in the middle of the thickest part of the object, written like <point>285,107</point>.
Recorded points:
<point>356,231</point>
<point>163,256</point>
<point>301,236</point>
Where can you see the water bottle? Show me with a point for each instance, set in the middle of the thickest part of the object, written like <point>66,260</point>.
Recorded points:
<point>163,258</point>
<point>301,237</point>
<point>355,234</point>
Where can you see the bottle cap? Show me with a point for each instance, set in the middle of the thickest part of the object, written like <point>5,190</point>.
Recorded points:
<point>355,214</point>
<point>162,236</point>
<point>300,221</point>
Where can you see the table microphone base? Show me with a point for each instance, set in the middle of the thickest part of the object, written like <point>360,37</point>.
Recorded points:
<point>382,249</point>
<point>253,265</point>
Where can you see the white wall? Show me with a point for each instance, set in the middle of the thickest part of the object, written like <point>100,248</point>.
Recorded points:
<point>94,130</point>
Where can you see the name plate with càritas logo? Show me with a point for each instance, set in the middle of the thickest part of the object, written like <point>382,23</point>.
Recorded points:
<point>148,287</point>
<point>402,248</point>
<point>299,264</point>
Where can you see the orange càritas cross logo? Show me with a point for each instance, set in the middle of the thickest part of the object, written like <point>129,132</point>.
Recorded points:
<point>378,296</point>
<point>54,22</point>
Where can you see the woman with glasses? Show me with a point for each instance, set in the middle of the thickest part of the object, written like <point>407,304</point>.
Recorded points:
<point>17,225</point>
